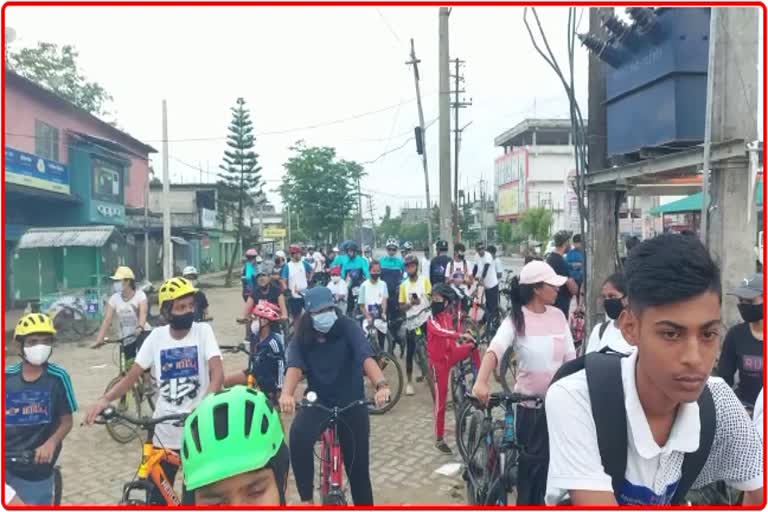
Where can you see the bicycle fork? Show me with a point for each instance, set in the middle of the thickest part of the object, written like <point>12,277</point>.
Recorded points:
<point>331,468</point>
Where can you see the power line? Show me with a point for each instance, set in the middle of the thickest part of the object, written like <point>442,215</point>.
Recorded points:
<point>386,22</point>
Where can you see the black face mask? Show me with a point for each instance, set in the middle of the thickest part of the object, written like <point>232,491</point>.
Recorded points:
<point>613,308</point>
<point>375,277</point>
<point>182,322</point>
<point>438,307</point>
<point>751,312</point>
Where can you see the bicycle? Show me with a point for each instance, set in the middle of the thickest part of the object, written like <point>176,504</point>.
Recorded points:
<point>331,460</point>
<point>27,458</point>
<point>491,459</point>
<point>391,369</point>
<point>234,349</point>
<point>137,393</point>
<point>463,377</point>
<point>422,361</point>
<point>508,371</point>
<point>150,475</point>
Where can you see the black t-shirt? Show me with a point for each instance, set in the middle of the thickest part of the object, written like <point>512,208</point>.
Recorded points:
<point>334,368</point>
<point>437,269</point>
<point>32,414</point>
<point>742,352</point>
<point>201,304</point>
<point>559,265</point>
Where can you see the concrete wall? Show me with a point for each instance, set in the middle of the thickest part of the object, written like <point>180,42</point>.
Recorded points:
<point>22,108</point>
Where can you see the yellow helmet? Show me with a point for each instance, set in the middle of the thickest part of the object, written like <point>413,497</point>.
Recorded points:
<point>174,288</point>
<point>34,323</point>
<point>123,273</point>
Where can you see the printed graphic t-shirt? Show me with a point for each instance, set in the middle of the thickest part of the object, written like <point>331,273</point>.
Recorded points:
<point>127,312</point>
<point>181,374</point>
<point>742,352</point>
<point>32,412</point>
<point>372,295</point>
<point>653,471</point>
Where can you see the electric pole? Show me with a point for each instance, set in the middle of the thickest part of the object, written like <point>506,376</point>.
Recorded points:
<point>421,136</point>
<point>360,212</point>
<point>446,233</point>
<point>373,221</point>
<point>167,258</point>
<point>457,105</point>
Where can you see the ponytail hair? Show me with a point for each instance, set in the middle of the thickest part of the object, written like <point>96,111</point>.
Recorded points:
<point>519,296</point>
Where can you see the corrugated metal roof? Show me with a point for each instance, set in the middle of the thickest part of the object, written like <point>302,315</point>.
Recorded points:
<point>71,236</point>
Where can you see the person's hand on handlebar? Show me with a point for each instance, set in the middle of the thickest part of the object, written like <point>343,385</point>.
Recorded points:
<point>382,396</point>
<point>96,409</point>
<point>99,343</point>
<point>287,403</point>
<point>481,391</point>
<point>242,320</point>
<point>44,453</point>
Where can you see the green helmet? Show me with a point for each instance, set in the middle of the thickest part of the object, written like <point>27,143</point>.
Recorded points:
<point>224,427</point>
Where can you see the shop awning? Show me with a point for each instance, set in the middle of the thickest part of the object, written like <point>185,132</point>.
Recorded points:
<point>70,236</point>
<point>691,203</point>
<point>179,240</point>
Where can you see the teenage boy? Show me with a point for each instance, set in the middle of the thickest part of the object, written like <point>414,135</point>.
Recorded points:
<point>673,406</point>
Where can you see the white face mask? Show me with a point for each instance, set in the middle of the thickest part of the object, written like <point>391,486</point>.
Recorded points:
<point>336,279</point>
<point>37,354</point>
<point>255,327</point>
<point>117,287</point>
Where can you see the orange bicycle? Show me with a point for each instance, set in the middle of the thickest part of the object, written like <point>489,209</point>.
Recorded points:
<point>150,475</point>
<point>234,349</point>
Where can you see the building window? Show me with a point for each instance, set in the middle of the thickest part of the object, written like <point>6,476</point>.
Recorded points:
<point>46,141</point>
<point>106,181</point>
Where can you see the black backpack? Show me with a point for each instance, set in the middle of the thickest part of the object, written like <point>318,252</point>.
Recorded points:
<point>606,395</point>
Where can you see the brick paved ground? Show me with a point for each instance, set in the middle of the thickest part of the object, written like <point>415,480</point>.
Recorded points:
<point>403,457</point>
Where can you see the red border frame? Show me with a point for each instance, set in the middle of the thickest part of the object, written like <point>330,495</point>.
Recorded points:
<point>387,3</point>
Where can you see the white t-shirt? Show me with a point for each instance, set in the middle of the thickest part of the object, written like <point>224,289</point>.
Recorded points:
<point>546,345</point>
<point>490,280</point>
<point>612,338</point>
<point>9,493</point>
<point>127,312</point>
<point>757,415</point>
<point>319,261</point>
<point>499,267</point>
<point>372,295</point>
<point>297,277</point>
<point>181,374</point>
<point>652,472</point>
<point>339,288</point>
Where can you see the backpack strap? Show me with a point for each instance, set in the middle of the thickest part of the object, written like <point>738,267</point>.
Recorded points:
<point>603,327</point>
<point>694,462</point>
<point>606,394</point>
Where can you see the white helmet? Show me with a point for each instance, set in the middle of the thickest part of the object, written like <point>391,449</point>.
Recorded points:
<point>280,254</point>
<point>259,259</point>
<point>189,271</point>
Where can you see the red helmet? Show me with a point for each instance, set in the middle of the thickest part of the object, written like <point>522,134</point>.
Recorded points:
<point>266,310</point>
<point>336,271</point>
<point>294,249</point>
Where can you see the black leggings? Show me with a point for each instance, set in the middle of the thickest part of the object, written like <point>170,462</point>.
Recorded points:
<point>410,349</point>
<point>156,498</point>
<point>354,432</point>
<point>534,462</point>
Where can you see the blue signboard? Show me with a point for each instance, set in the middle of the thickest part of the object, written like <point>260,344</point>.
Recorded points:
<point>32,171</point>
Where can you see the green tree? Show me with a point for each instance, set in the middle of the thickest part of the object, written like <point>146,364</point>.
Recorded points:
<point>55,68</point>
<point>323,188</point>
<point>240,176</point>
<point>535,223</point>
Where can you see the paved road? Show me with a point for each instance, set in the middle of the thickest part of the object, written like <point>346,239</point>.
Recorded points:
<point>403,457</point>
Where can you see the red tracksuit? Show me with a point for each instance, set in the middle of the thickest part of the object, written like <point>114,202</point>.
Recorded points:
<point>444,353</point>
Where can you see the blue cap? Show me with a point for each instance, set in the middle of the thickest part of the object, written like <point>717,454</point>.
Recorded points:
<point>318,298</point>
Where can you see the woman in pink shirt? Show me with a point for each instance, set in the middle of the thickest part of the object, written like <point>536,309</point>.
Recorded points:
<point>541,338</point>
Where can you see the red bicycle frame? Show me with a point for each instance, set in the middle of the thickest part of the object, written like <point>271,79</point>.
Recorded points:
<point>332,463</point>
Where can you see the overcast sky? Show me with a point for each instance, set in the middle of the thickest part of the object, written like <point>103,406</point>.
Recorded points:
<point>300,67</point>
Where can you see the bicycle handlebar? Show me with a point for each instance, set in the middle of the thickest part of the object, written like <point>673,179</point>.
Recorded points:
<point>496,399</point>
<point>23,457</point>
<point>234,349</point>
<point>334,411</point>
<point>111,413</point>
<point>120,341</point>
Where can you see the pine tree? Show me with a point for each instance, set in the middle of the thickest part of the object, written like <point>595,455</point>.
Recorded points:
<point>240,176</point>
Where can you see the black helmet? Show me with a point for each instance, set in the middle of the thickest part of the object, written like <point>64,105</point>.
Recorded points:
<point>410,259</point>
<point>441,245</point>
<point>448,293</point>
<point>352,246</point>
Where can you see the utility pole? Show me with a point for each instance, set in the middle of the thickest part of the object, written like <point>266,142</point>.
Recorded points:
<point>732,232</point>
<point>167,257</point>
<point>373,221</point>
<point>288,216</point>
<point>706,164</point>
<point>446,233</point>
<point>422,135</point>
<point>360,212</point>
<point>146,230</point>
<point>262,200</point>
<point>457,105</point>
<point>482,211</point>
<point>602,232</point>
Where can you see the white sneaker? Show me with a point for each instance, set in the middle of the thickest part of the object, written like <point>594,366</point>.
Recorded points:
<point>409,390</point>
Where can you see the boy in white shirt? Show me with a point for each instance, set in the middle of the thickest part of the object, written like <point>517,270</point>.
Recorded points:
<point>185,362</point>
<point>607,335</point>
<point>674,320</point>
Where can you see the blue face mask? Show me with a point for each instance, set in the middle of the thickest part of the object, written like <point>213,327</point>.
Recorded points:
<point>323,322</point>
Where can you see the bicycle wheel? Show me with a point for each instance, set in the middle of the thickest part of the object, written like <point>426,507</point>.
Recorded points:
<point>335,497</point>
<point>463,426</point>
<point>393,372</point>
<point>58,485</point>
<point>497,494</point>
<point>130,403</point>
<point>476,460</point>
<point>423,362</point>
<point>508,372</point>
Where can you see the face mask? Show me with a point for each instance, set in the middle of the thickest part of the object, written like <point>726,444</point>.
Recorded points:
<point>322,322</point>
<point>751,312</point>
<point>375,277</point>
<point>438,307</point>
<point>182,322</point>
<point>38,354</point>
<point>336,279</point>
<point>117,287</point>
<point>255,327</point>
<point>613,308</point>
<point>460,255</point>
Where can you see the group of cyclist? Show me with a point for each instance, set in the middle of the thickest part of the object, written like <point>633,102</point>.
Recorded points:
<point>656,349</point>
